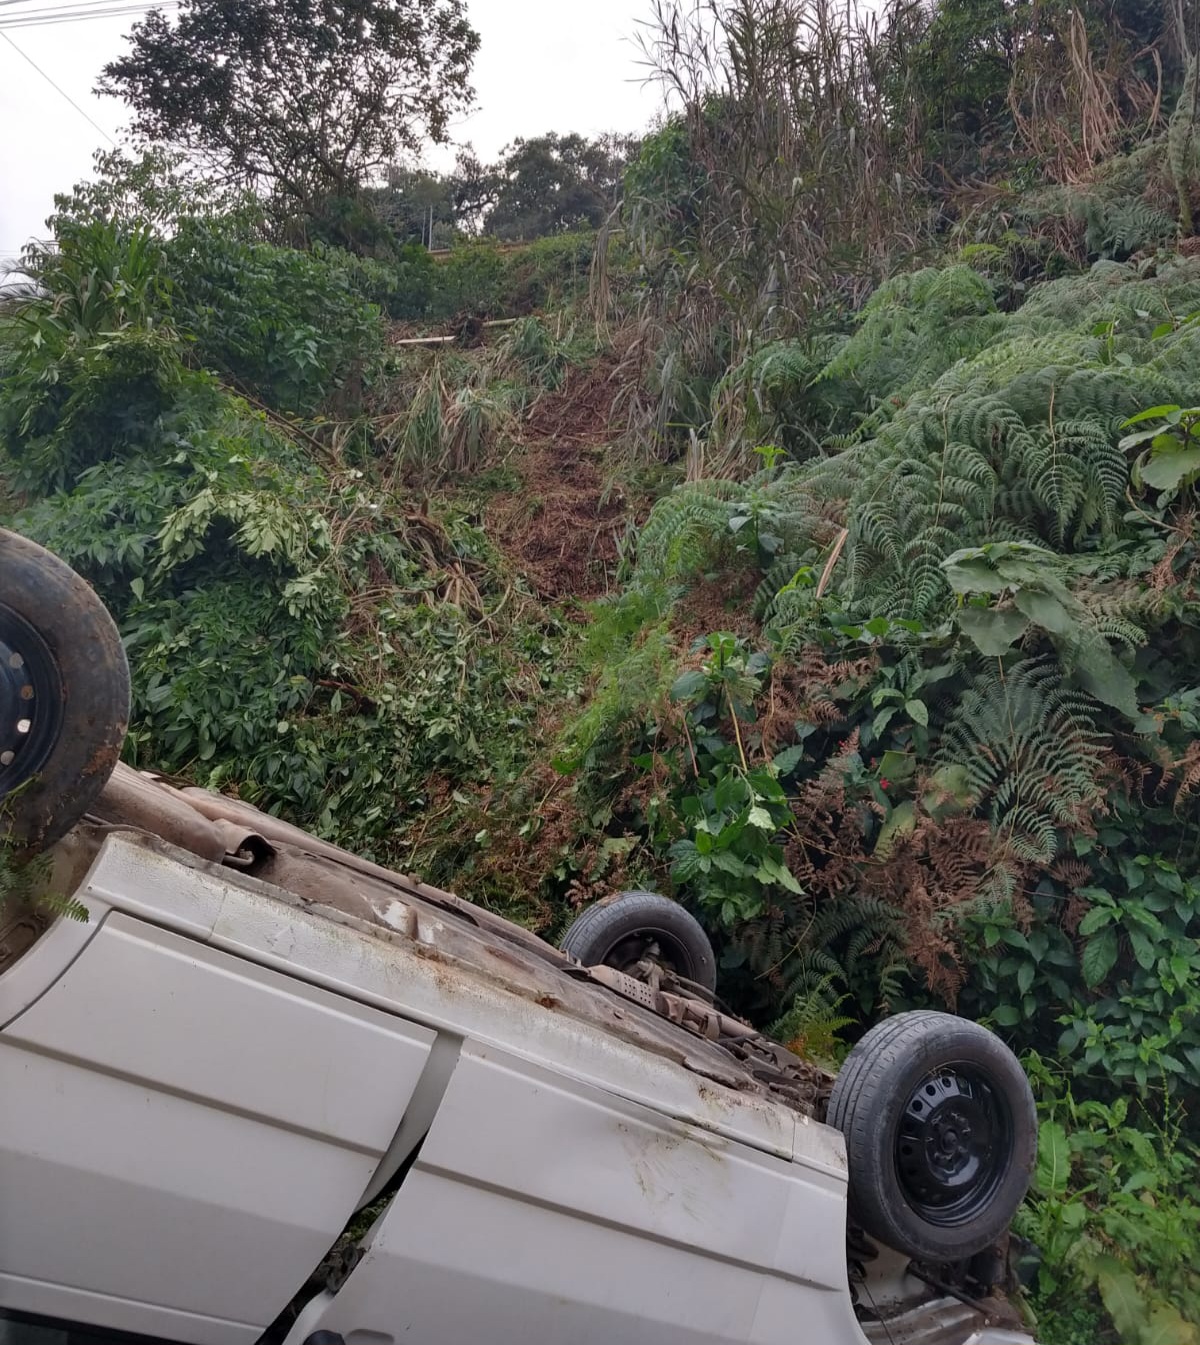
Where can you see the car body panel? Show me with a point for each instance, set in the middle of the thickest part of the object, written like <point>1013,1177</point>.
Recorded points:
<point>173,1115</point>
<point>549,1210</point>
<point>435,973</point>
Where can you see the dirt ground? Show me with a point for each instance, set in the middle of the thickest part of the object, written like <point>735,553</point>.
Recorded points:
<point>562,527</point>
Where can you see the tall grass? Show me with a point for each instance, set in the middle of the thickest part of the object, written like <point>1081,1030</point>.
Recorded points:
<point>456,421</point>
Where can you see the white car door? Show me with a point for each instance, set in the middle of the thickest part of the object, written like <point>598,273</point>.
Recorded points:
<point>540,1208</point>
<point>183,1134</point>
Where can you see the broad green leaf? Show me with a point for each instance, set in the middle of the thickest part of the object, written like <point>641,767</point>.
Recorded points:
<point>993,632</point>
<point>729,832</point>
<point>1122,1298</point>
<point>1108,680</point>
<point>1154,413</point>
<point>900,823</point>
<point>1054,1157</point>
<point>765,785</point>
<point>1143,948</point>
<point>1141,437</point>
<point>772,871</point>
<point>918,712</point>
<point>760,818</point>
<point>1165,471</point>
<point>787,760</point>
<point>687,861</point>
<point>969,572</point>
<point>952,781</point>
<point>789,882</point>
<point>1074,1214</point>
<point>1025,973</point>
<point>898,765</point>
<point>1099,956</point>
<point>688,685</point>
<point>724,862</point>
<point>1139,1180</point>
<point>1045,610</point>
<point>883,719</point>
<point>1096,918</point>
<point>1167,1327</point>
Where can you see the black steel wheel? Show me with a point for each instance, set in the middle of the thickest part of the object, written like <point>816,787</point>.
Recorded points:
<point>637,928</point>
<point>952,1149</point>
<point>941,1134</point>
<point>64,694</point>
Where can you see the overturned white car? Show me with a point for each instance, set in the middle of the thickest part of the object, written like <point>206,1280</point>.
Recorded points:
<point>269,1092</point>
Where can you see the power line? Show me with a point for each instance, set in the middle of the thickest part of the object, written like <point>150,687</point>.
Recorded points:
<point>4,4</point>
<point>40,5</point>
<point>52,84</point>
<point>48,17</point>
<point>39,8</point>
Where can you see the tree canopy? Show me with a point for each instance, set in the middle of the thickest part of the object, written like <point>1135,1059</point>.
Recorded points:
<point>551,183</point>
<point>305,97</point>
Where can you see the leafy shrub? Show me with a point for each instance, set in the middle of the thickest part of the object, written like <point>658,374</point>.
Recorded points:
<point>289,325</point>
<point>295,631</point>
<point>1114,1211</point>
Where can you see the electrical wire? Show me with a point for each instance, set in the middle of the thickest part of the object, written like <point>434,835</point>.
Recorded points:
<point>58,89</point>
<point>40,5</point>
<point>48,18</point>
<point>37,9</point>
<point>4,4</point>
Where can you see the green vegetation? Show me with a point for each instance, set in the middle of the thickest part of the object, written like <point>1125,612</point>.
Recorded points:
<point>818,545</point>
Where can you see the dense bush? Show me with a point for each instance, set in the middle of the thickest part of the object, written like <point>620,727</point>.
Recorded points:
<point>290,325</point>
<point>944,750</point>
<point>292,627</point>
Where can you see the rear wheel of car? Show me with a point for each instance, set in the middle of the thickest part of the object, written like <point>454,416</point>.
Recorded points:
<point>64,694</point>
<point>941,1134</point>
<point>639,927</point>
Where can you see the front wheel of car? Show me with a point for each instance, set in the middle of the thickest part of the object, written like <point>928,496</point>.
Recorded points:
<point>64,695</point>
<point>941,1134</point>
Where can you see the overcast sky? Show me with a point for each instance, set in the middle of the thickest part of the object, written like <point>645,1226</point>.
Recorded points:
<point>543,65</point>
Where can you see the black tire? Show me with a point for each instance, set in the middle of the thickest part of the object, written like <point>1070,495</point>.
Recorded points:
<point>941,1134</point>
<point>618,933</point>
<point>64,695</point>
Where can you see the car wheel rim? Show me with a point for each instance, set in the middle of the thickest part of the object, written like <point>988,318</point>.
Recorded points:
<point>953,1144</point>
<point>647,944</point>
<point>31,701</point>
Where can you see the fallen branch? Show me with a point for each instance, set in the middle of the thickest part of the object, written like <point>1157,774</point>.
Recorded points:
<point>447,340</point>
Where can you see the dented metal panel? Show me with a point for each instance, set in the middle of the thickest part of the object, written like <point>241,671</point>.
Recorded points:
<point>665,1233</point>
<point>185,1133</point>
<point>475,942</point>
<point>444,974</point>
